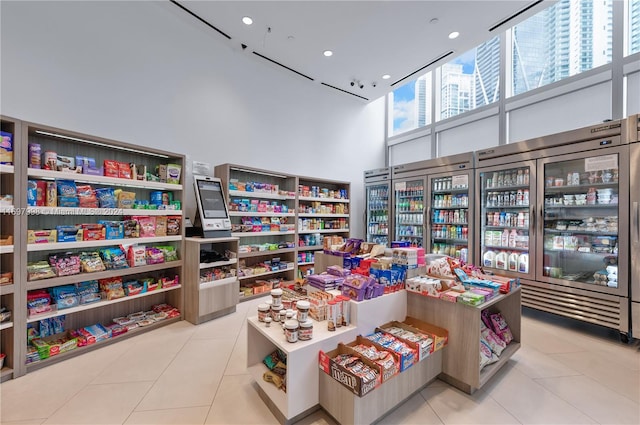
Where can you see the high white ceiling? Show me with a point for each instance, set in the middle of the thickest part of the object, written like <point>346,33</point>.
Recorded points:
<point>368,38</point>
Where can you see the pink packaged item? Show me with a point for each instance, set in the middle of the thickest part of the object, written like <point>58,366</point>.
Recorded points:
<point>492,340</point>
<point>147,226</point>
<point>486,319</point>
<point>501,328</point>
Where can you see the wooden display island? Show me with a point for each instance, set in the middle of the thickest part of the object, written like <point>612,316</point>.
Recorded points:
<point>461,365</point>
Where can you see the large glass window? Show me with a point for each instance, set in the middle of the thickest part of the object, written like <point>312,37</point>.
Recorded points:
<point>470,80</point>
<point>411,105</point>
<point>634,26</point>
<point>565,39</point>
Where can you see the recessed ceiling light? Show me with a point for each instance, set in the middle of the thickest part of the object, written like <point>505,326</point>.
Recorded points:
<point>454,34</point>
<point>434,21</point>
<point>327,53</point>
<point>386,76</point>
<point>290,37</point>
<point>247,20</point>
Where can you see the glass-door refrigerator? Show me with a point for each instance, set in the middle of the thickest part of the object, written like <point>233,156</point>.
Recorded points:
<point>506,194</point>
<point>633,125</point>
<point>450,209</point>
<point>585,220</point>
<point>409,204</point>
<point>377,185</point>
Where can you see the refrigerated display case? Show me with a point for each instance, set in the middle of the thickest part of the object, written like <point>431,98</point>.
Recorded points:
<point>377,185</point>
<point>506,195</point>
<point>443,185</point>
<point>409,211</point>
<point>577,246</point>
<point>450,231</point>
<point>633,137</point>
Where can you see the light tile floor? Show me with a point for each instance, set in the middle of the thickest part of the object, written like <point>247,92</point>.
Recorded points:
<point>564,373</point>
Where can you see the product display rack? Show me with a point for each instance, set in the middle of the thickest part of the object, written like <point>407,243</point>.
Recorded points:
<point>208,299</point>
<point>73,144</point>
<point>461,364</point>
<point>256,199</point>
<point>320,203</point>
<point>316,209</point>
<point>10,294</point>
<point>377,184</point>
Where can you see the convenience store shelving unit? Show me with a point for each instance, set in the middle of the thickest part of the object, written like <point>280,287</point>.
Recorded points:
<point>315,212</point>
<point>11,184</point>
<point>307,217</point>
<point>25,218</point>
<point>277,222</point>
<point>209,299</point>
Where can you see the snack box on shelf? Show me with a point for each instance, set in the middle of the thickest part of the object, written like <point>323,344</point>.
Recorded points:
<point>347,378</point>
<point>450,296</point>
<point>113,229</point>
<point>406,257</point>
<point>42,236</point>
<point>69,233</point>
<point>59,343</point>
<point>6,240</point>
<point>93,232</point>
<point>508,284</point>
<point>424,285</point>
<point>386,374</point>
<point>471,298</point>
<point>400,244</point>
<point>478,283</point>
<point>405,360</point>
<point>392,279</point>
<point>440,335</point>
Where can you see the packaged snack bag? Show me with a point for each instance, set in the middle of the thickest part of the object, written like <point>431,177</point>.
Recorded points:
<point>492,340</point>
<point>501,328</point>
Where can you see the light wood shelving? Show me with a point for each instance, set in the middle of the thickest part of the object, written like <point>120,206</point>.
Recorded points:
<point>211,299</point>
<point>27,217</point>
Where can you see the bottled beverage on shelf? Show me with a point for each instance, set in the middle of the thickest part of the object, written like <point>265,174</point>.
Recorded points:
<point>513,236</point>
<point>525,178</point>
<point>504,240</point>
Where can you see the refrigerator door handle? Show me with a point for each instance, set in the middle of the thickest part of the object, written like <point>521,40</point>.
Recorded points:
<point>636,221</point>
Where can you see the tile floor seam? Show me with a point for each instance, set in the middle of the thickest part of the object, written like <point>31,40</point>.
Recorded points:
<point>567,401</point>
<point>614,389</point>
<point>503,406</point>
<point>155,381</point>
<point>591,379</point>
<point>429,404</point>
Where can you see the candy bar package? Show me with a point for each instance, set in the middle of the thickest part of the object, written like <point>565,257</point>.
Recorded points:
<point>124,170</point>
<point>93,232</point>
<point>114,258</point>
<point>106,197</point>
<point>133,287</point>
<point>174,224</point>
<point>501,328</point>
<point>137,256</point>
<point>65,296</point>
<point>161,225</point>
<point>113,229</point>
<point>131,229</point>
<point>86,196</point>
<point>491,339</point>
<point>170,253</point>
<point>88,292</point>
<point>39,270</point>
<point>125,199</point>
<point>32,193</point>
<point>65,264</point>
<point>147,225</point>
<point>38,301</point>
<point>112,288</point>
<point>154,255</point>
<point>110,168</point>
<point>91,262</point>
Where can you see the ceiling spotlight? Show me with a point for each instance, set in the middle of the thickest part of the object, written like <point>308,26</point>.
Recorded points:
<point>290,37</point>
<point>454,34</point>
<point>247,20</point>
<point>353,83</point>
<point>360,85</point>
<point>434,21</point>
<point>386,76</point>
<point>327,53</point>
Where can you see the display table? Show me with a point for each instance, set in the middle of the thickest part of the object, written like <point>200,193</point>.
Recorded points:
<point>302,378</point>
<point>461,364</point>
<point>302,395</point>
<point>348,408</point>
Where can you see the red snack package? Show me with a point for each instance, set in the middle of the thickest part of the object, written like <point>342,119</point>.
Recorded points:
<point>110,168</point>
<point>87,196</point>
<point>124,171</point>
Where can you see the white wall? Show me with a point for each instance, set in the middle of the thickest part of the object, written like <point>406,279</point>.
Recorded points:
<point>584,107</point>
<point>633,88</point>
<point>147,73</point>
<point>412,150</point>
<point>469,137</point>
